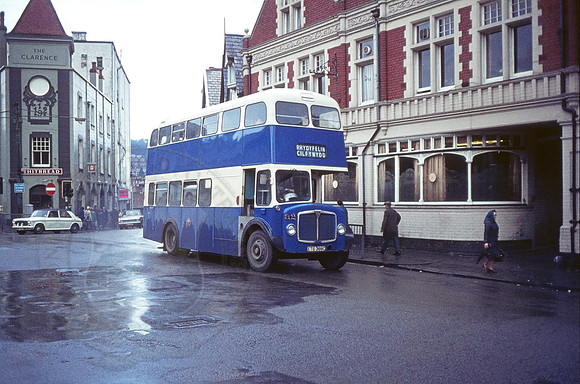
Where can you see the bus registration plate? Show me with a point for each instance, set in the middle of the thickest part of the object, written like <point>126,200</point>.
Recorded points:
<point>316,248</point>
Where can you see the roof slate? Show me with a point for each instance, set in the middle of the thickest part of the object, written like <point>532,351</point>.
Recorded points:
<point>39,18</point>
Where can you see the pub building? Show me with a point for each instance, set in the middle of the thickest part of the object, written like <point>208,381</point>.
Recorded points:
<point>450,109</point>
<point>64,117</point>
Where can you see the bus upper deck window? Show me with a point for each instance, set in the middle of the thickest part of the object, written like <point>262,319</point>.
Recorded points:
<point>291,113</point>
<point>231,120</point>
<point>325,117</point>
<point>193,128</point>
<point>165,135</point>
<point>255,114</point>
<point>210,124</point>
<point>154,138</point>
<point>178,133</point>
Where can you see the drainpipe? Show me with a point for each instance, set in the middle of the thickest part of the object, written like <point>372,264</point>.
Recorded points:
<point>573,189</point>
<point>376,14</point>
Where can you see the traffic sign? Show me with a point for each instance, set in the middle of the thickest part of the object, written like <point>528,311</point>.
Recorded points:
<point>50,189</point>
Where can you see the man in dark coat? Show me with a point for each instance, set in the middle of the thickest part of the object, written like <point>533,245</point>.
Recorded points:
<point>390,229</point>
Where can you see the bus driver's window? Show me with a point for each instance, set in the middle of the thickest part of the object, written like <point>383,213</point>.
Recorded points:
<point>263,195</point>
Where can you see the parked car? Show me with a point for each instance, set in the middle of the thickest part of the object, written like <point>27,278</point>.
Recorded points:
<point>48,220</point>
<point>131,218</point>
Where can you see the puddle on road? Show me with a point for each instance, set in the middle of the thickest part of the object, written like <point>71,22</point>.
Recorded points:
<point>52,305</point>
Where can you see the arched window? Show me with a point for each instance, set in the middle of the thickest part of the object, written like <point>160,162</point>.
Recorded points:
<point>496,176</point>
<point>409,186</point>
<point>386,180</point>
<point>445,178</point>
<point>346,185</point>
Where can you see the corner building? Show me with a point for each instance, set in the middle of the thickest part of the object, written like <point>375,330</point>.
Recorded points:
<point>451,108</point>
<point>64,120</point>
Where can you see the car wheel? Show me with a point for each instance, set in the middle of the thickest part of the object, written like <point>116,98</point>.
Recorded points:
<point>38,229</point>
<point>334,262</point>
<point>21,232</point>
<point>171,239</point>
<point>259,252</point>
<point>74,228</point>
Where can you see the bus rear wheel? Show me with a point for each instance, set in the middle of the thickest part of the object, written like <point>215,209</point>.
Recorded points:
<point>334,262</point>
<point>171,239</point>
<point>259,251</point>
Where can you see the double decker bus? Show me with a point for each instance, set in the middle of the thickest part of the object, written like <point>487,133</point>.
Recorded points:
<point>244,179</point>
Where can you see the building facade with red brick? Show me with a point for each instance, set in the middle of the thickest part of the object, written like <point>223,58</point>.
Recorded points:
<point>450,109</point>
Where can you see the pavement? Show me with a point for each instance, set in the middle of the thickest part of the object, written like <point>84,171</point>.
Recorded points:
<point>535,268</point>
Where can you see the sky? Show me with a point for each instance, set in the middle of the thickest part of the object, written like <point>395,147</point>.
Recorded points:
<point>165,46</point>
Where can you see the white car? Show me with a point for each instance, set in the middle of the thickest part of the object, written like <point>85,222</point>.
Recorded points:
<point>131,218</point>
<point>48,220</point>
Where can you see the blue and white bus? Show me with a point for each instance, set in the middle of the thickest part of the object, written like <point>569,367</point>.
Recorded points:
<point>244,179</point>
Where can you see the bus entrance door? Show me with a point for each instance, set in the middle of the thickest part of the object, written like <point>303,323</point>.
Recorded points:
<point>249,188</point>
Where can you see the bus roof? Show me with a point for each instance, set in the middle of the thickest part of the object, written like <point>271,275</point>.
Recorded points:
<point>277,94</point>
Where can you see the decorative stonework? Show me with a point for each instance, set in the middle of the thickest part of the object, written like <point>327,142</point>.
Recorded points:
<point>400,6</point>
<point>297,43</point>
<point>359,20</point>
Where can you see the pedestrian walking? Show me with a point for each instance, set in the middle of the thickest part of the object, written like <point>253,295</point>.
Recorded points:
<point>94,218</point>
<point>103,218</point>
<point>81,215</point>
<point>115,218</point>
<point>88,218</point>
<point>490,240</point>
<point>390,229</point>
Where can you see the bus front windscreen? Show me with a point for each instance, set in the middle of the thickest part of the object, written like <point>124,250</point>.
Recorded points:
<point>292,186</point>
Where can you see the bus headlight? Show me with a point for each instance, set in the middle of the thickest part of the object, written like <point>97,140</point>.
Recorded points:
<point>291,230</point>
<point>341,229</point>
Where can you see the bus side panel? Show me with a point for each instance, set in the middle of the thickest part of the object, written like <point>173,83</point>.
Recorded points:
<point>193,155</point>
<point>226,231</point>
<point>189,225</point>
<point>257,145</point>
<point>205,229</point>
<point>151,229</point>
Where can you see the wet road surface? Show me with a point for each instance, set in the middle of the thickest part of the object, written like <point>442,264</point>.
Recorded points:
<point>109,306</point>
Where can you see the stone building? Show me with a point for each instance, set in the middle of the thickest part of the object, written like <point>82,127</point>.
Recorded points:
<point>451,109</point>
<point>64,123</point>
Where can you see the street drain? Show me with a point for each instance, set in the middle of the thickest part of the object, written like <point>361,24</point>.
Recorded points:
<point>198,321</point>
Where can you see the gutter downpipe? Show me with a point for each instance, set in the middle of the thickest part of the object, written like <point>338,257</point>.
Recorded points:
<point>376,14</point>
<point>573,189</point>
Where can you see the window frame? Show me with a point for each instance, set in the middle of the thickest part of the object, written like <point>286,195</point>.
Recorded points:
<point>41,146</point>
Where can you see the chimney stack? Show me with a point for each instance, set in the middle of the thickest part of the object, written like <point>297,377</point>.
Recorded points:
<point>93,74</point>
<point>101,78</point>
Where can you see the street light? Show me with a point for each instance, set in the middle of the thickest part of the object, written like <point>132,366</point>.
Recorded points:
<point>249,58</point>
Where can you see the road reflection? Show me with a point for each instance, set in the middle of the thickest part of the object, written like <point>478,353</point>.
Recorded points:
<point>62,304</point>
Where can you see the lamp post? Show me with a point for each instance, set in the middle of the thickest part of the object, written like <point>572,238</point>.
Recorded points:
<point>249,61</point>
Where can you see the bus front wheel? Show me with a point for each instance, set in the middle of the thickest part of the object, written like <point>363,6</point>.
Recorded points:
<point>334,262</point>
<point>259,251</point>
<point>171,240</point>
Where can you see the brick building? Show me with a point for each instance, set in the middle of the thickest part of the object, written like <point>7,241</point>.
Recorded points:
<point>451,109</point>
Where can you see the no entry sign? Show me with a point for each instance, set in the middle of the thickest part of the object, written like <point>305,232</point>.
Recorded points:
<point>50,189</point>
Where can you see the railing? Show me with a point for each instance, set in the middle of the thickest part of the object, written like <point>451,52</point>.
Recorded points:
<point>544,86</point>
